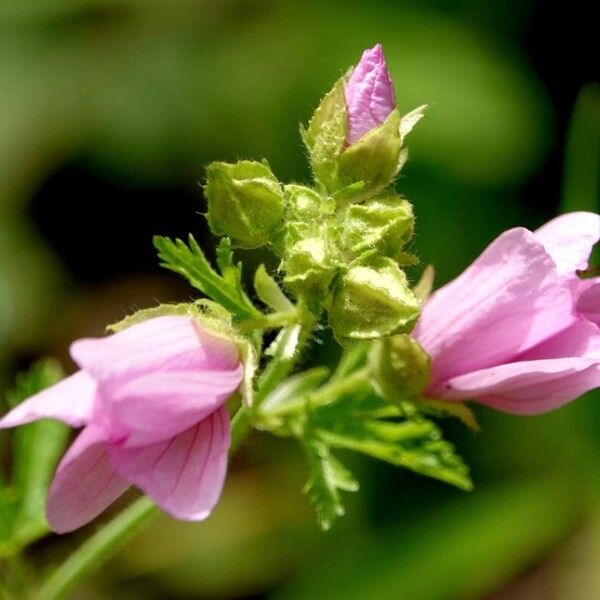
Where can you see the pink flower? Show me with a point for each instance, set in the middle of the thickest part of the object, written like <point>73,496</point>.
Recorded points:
<point>518,330</point>
<point>369,94</point>
<point>151,400</point>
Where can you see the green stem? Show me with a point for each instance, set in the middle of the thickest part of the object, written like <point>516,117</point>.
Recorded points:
<point>326,394</point>
<point>102,545</point>
<point>97,549</point>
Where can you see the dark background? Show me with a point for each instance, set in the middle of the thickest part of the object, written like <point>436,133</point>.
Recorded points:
<point>108,111</point>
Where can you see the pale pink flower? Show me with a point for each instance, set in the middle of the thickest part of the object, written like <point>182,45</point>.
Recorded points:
<point>369,94</point>
<point>151,400</point>
<point>518,330</point>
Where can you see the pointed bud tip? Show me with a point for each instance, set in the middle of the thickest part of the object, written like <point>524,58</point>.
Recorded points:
<point>369,94</point>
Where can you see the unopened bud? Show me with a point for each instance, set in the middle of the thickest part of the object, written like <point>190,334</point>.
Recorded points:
<point>372,300</point>
<point>245,202</point>
<point>399,367</point>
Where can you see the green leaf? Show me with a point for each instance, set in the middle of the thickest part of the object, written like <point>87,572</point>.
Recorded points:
<point>327,477</point>
<point>190,261</point>
<point>36,450</point>
<point>415,444</point>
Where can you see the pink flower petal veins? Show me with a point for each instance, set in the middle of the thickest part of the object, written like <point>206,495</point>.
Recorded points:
<point>157,406</point>
<point>369,94</point>
<point>85,483</point>
<point>184,475</point>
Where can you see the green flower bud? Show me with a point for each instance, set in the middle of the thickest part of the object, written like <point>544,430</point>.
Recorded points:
<point>399,367</point>
<point>308,269</point>
<point>384,224</point>
<point>372,300</point>
<point>303,204</point>
<point>374,158</point>
<point>245,202</point>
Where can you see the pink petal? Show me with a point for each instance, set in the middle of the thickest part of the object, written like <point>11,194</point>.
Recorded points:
<point>157,406</point>
<point>569,240</point>
<point>589,304</point>
<point>581,340</point>
<point>528,387</point>
<point>507,301</point>
<point>185,474</point>
<point>369,94</point>
<point>70,400</point>
<point>84,485</point>
<point>162,343</point>
<point>551,374</point>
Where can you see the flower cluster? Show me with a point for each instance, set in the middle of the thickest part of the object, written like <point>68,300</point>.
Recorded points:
<point>517,331</point>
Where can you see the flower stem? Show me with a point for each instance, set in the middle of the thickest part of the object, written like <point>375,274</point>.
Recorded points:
<point>97,549</point>
<point>327,394</point>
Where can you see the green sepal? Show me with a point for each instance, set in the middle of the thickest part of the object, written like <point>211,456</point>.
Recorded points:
<point>384,224</point>
<point>325,135</point>
<point>269,292</point>
<point>399,367</point>
<point>374,159</point>
<point>245,202</point>
<point>424,286</point>
<point>372,300</point>
<point>410,119</point>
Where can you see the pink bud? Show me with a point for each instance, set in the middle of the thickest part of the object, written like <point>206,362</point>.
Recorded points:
<point>369,94</point>
<point>518,331</point>
<point>151,400</point>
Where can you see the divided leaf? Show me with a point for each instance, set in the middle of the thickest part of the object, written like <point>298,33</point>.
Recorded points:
<point>327,478</point>
<point>189,261</point>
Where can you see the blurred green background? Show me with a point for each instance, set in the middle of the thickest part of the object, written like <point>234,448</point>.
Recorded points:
<point>109,109</point>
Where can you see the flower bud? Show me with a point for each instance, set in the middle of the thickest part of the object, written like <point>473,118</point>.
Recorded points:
<point>303,204</point>
<point>399,367</point>
<point>369,94</point>
<point>384,224</point>
<point>354,135</point>
<point>308,269</point>
<point>245,202</point>
<point>372,300</point>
